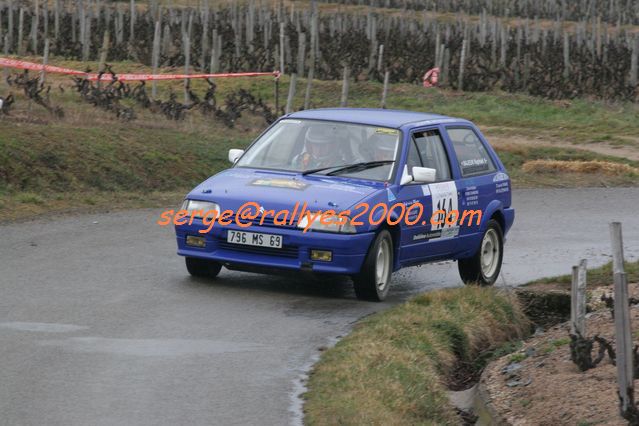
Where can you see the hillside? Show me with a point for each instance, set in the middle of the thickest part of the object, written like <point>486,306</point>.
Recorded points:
<point>90,159</point>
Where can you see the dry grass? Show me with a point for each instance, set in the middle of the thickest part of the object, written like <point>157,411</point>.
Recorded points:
<point>394,367</point>
<point>596,166</point>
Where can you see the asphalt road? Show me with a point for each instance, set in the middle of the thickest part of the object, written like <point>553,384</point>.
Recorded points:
<point>100,323</point>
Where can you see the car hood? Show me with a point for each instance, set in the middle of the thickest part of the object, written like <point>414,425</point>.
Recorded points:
<point>282,190</point>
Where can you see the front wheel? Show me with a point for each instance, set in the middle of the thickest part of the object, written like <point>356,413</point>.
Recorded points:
<point>373,281</point>
<point>202,267</point>
<point>484,267</point>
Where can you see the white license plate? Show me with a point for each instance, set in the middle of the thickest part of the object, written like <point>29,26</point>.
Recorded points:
<point>254,239</point>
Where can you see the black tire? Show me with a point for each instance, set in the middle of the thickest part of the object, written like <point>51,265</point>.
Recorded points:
<point>202,267</point>
<point>471,270</point>
<point>366,282</point>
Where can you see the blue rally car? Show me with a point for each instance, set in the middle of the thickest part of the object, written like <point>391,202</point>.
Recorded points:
<point>396,182</point>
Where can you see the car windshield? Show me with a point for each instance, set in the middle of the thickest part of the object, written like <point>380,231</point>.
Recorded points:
<point>326,147</point>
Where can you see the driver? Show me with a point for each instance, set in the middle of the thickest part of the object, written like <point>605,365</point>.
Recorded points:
<point>321,147</point>
<point>383,147</point>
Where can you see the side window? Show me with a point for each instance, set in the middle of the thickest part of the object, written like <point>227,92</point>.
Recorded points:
<point>413,159</point>
<point>471,154</point>
<point>433,154</point>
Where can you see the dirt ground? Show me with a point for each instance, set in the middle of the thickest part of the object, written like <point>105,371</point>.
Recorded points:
<point>630,151</point>
<point>540,385</point>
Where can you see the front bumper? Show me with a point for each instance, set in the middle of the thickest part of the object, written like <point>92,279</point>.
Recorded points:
<point>349,250</point>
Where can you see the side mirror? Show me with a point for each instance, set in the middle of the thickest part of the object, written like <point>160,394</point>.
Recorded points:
<point>235,154</point>
<point>424,174</point>
<point>406,178</point>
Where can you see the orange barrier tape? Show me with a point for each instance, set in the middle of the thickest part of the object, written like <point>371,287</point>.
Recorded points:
<point>24,65</point>
<point>146,77</point>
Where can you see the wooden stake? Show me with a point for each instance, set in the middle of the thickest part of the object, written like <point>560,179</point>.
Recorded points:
<point>20,48</point>
<point>623,335</point>
<point>634,66</point>
<point>132,22</point>
<point>45,61</point>
<point>282,47</point>
<point>291,94</point>
<point>462,61</point>
<point>9,40</point>
<point>344,101</point>
<point>566,72</point>
<point>104,51</point>
<point>56,19</point>
<point>155,57</point>
<point>301,54</point>
<point>385,90</point>
<point>380,58</point>
<point>5,70</point>
<point>35,21</point>
<point>311,62</point>
<point>187,64</point>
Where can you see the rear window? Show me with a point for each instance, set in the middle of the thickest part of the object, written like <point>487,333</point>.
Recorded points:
<point>471,153</point>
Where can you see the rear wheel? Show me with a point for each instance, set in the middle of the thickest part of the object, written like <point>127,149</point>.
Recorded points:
<point>484,267</point>
<point>202,267</point>
<point>374,279</point>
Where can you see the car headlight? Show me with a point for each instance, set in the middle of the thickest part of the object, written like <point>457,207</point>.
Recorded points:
<point>199,208</point>
<point>331,224</point>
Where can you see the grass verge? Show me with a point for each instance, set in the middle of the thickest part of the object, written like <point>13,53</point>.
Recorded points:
<point>394,367</point>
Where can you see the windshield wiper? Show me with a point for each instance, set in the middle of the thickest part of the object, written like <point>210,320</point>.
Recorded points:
<point>321,169</point>
<point>360,166</point>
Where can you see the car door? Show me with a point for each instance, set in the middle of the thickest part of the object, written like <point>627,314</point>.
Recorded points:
<point>477,170</point>
<point>423,240</point>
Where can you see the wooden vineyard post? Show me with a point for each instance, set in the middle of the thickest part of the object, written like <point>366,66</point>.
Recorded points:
<point>634,62</point>
<point>566,72</point>
<point>155,58</point>
<point>291,93</point>
<point>282,47</point>
<point>132,22</point>
<point>277,96</point>
<point>311,62</point>
<point>578,299</point>
<point>5,70</point>
<point>380,58</point>
<point>344,100</point>
<point>462,60</point>
<point>385,90</point>
<point>301,54</point>
<point>45,61</point>
<point>20,32</point>
<point>187,65</point>
<point>625,362</point>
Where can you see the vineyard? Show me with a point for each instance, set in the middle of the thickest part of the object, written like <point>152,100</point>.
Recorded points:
<point>619,12</point>
<point>556,49</point>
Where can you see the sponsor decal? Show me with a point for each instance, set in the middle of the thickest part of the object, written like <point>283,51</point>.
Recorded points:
<point>386,131</point>
<point>502,187</point>
<point>471,196</point>
<point>427,235</point>
<point>501,176</point>
<point>280,183</point>
<point>453,231</point>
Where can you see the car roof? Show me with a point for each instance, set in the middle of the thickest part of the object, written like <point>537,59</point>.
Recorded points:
<point>373,116</point>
